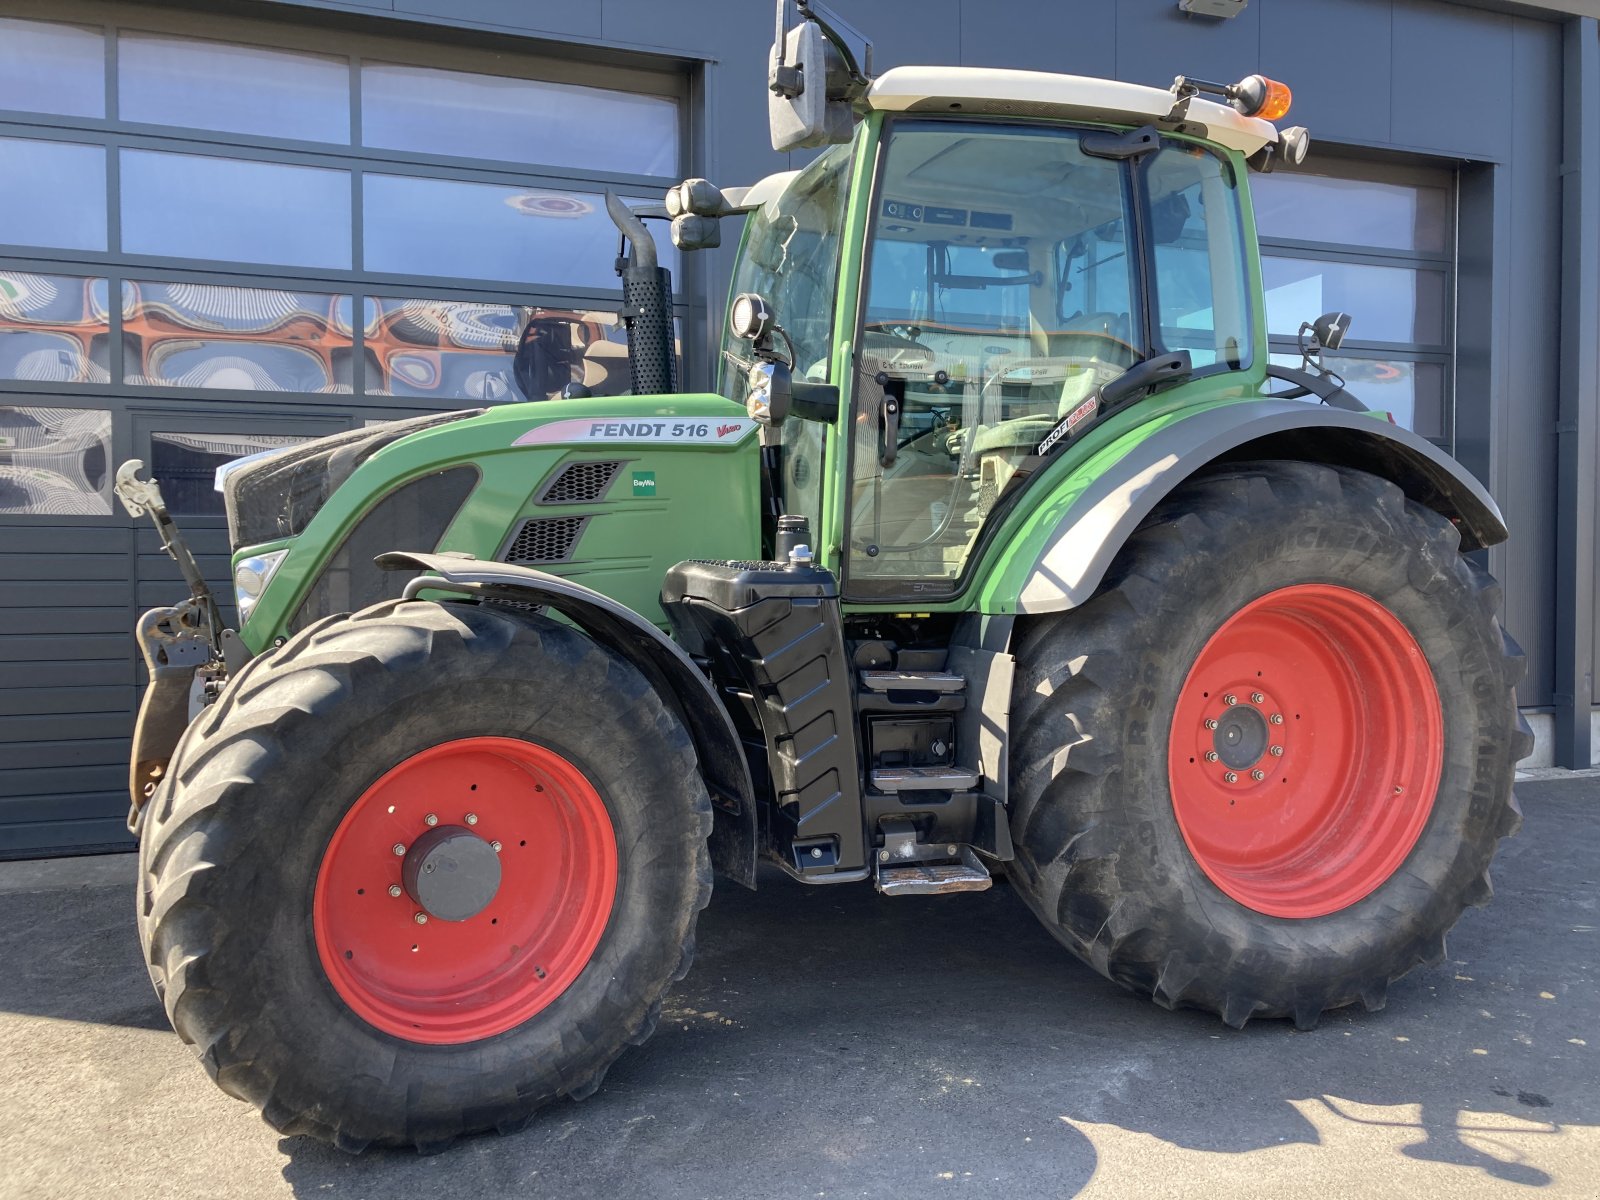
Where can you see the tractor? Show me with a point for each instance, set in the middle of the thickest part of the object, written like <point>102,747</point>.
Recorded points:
<point>1003,548</point>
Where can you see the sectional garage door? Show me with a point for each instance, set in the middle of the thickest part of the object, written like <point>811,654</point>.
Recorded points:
<point>218,236</point>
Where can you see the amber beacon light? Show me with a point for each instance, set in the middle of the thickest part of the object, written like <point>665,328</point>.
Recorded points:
<point>1258,96</point>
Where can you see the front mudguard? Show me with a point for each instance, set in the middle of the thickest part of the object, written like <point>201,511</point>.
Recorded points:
<point>680,684</point>
<point>176,645</point>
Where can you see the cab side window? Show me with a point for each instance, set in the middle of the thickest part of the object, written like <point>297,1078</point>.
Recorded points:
<point>1197,243</point>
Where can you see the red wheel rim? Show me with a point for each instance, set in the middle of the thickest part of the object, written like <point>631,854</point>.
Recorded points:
<point>447,981</point>
<point>1306,749</point>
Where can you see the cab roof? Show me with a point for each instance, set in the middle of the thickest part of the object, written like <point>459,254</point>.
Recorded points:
<point>990,91</point>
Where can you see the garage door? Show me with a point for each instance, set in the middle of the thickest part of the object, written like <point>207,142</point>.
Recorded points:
<point>218,236</point>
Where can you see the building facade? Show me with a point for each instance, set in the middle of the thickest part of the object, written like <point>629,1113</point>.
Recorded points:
<point>230,226</point>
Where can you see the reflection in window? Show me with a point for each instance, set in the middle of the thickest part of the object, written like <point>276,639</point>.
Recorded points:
<point>254,339</point>
<point>467,350</point>
<point>193,206</point>
<point>429,111</point>
<point>1194,226</point>
<point>53,328</point>
<point>489,231</point>
<point>238,89</point>
<point>1386,304</point>
<point>50,68</point>
<point>52,194</point>
<point>1314,208</point>
<point>55,461</point>
<point>1412,392</point>
<point>186,464</point>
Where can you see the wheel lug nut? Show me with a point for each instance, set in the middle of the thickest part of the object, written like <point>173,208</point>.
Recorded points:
<point>1229,777</point>
<point>431,819</point>
<point>395,889</point>
<point>399,848</point>
<point>1276,718</point>
<point>472,818</point>
<point>1257,698</point>
<point>496,846</point>
<point>1210,724</point>
<point>421,918</point>
<point>1276,752</point>
<point>1211,756</point>
<point>1258,774</point>
<point>1230,699</point>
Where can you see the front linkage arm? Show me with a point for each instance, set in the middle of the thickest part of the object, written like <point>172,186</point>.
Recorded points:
<point>182,647</point>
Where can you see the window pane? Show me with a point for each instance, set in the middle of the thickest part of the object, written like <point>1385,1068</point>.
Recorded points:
<point>52,194</point>
<point>1199,257</point>
<point>255,339</point>
<point>449,350</point>
<point>50,68</point>
<point>1386,304</point>
<point>55,461</point>
<point>522,120</point>
<point>1314,208</point>
<point>186,465</point>
<point>53,328</point>
<point>189,206</point>
<point>1413,392</point>
<point>487,231</point>
<point>239,89</point>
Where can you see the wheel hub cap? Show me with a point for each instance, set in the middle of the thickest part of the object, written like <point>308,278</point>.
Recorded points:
<point>1241,737</point>
<point>451,872</point>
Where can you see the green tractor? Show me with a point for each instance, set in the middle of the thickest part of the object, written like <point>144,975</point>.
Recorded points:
<point>1003,547</point>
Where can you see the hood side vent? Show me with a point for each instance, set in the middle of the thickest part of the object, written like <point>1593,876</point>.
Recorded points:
<point>545,540</point>
<point>579,483</point>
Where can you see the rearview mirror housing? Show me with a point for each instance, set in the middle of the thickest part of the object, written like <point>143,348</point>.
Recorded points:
<point>808,84</point>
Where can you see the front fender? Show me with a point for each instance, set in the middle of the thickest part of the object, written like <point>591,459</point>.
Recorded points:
<point>661,660</point>
<point>1064,546</point>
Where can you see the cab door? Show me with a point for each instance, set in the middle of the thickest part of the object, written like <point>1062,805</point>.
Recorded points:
<point>1010,271</point>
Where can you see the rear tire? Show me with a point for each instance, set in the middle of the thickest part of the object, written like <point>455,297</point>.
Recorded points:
<point>1332,634</point>
<point>267,868</point>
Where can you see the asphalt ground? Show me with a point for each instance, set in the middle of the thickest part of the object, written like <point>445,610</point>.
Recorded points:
<point>830,1042</point>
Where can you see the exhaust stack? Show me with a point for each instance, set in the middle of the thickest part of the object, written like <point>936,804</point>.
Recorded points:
<point>646,305</point>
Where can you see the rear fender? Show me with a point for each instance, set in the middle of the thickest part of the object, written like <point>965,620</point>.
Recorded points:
<point>661,660</point>
<point>1057,564</point>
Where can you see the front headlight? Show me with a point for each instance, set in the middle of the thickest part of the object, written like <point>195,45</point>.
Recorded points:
<point>250,579</point>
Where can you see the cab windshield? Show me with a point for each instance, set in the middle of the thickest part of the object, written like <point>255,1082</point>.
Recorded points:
<point>790,257</point>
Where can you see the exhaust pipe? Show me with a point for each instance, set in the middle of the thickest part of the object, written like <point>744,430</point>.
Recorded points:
<point>646,305</point>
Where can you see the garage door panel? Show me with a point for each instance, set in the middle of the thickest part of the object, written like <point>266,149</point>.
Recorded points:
<point>30,786</point>
<point>30,677</point>
<point>87,595</point>
<point>34,702</point>
<point>62,726</point>
<point>87,752</point>
<point>64,618</point>
<point>42,839</point>
<point>44,648</point>
<point>23,568</point>
<point>67,540</point>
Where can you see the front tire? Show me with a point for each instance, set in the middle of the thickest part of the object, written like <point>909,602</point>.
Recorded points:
<point>421,871</point>
<point>1265,768</point>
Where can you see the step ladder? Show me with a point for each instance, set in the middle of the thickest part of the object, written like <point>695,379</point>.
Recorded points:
<point>907,867</point>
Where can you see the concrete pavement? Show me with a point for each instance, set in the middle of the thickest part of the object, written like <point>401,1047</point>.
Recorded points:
<point>833,1043</point>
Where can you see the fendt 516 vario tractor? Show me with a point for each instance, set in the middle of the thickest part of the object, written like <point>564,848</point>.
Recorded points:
<point>1003,546</point>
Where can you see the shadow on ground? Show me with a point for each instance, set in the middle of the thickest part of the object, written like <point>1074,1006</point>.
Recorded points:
<point>829,1041</point>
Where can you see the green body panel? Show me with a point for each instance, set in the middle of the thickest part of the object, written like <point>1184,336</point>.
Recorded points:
<point>693,500</point>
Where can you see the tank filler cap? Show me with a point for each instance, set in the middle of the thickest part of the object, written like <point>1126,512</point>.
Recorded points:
<point>800,557</point>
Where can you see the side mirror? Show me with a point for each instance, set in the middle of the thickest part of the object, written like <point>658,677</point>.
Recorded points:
<point>814,73</point>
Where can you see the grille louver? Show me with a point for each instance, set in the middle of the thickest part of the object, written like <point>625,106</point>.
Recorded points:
<point>545,540</point>
<point>580,482</point>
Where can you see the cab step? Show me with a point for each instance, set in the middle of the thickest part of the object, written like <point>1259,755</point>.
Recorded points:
<point>963,874</point>
<point>912,681</point>
<point>924,779</point>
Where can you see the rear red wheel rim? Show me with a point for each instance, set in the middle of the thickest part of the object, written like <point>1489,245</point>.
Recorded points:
<point>1306,749</point>
<point>450,981</point>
